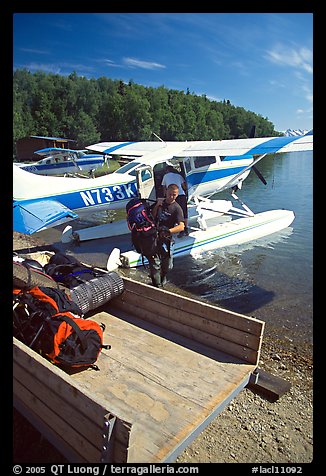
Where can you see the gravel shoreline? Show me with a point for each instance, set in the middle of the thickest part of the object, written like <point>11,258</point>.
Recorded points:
<point>250,430</point>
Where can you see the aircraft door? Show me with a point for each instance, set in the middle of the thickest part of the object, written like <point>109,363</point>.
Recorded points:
<point>187,169</point>
<point>145,182</point>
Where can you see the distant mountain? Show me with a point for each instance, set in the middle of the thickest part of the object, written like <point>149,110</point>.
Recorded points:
<point>295,132</point>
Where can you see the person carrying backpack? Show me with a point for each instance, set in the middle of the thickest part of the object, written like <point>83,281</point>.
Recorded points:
<point>173,176</point>
<point>141,223</point>
<point>170,220</point>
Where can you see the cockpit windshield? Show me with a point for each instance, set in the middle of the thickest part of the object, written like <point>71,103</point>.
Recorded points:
<point>128,168</point>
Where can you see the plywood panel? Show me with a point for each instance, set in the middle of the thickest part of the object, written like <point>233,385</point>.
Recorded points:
<point>163,388</point>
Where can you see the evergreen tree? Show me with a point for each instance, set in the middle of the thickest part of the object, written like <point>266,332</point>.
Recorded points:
<point>93,110</point>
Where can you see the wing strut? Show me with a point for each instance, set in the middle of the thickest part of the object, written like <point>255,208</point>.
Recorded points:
<point>233,182</point>
<point>254,168</point>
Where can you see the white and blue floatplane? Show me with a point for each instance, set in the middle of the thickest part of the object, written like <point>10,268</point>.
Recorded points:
<point>207,166</point>
<point>58,161</point>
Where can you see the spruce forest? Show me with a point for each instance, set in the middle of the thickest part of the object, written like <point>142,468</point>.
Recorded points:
<point>103,109</point>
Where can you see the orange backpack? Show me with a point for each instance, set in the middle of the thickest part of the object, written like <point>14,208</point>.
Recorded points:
<point>48,321</point>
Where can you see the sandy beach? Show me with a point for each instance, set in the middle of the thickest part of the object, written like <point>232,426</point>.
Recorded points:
<point>251,429</point>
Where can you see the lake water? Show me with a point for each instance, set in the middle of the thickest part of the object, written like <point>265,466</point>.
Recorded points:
<point>272,278</point>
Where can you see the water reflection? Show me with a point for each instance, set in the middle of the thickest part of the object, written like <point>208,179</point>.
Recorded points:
<point>221,280</point>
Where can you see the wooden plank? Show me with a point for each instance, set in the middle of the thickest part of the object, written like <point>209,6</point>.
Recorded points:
<point>86,450</point>
<point>166,335</point>
<point>203,324</point>
<point>230,318</point>
<point>63,385</point>
<point>269,385</point>
<point>64,409</point>
<point>246,354</point>
<point>121,450</point>
<point>65,432</point>
<point>53,377</point>
<point>164,413</point>
<point>165,359</point>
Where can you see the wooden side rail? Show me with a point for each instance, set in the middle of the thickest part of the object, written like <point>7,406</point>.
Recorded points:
<point>222,330</point>
<point>83,426</point>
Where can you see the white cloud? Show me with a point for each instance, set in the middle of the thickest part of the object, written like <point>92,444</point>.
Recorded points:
<point>111,63</point>
<point>47,68</point>
<point>62,68</point>
<point>212,98</point>
<point>34,51</point>
<point>308,93</point>
<point>136,63</point>
<point>300,58</point>
<point>276,83</point>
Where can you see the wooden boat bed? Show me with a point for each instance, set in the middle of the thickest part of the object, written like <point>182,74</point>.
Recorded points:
<point>174,364</point>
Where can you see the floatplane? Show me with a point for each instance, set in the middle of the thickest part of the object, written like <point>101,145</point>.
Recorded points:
<point>58,161</point>
<point>208,167</point>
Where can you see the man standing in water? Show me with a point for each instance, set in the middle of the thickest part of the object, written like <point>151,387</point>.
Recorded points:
<point>173,176</point>
<point>170,220</point>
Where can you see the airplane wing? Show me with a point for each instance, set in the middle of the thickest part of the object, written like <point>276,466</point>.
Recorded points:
<point>132,149</point>
<point>30,216</point>
<point>53,151</point>
<point>254,146</point>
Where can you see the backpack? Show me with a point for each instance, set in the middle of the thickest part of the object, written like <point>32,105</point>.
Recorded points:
<point>26,276</point>
<point>49,322</point>
<point>144,233</point>
<point>68,270</point>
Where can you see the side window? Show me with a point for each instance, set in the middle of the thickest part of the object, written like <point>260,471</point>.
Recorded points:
<point>187,165</point>
<point>128,168</point>
<point>145,175</point>
<point>204,161</point>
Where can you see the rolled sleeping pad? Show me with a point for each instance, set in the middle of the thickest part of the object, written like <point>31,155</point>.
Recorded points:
<point>97,291</point>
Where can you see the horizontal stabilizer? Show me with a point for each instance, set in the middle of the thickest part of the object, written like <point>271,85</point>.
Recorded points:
<point>31,216</point>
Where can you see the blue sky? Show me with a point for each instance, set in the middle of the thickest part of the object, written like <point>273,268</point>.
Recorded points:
<point>259,61</point>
